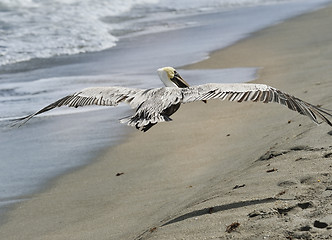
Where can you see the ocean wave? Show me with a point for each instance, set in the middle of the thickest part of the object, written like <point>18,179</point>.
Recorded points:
<point>32,29</point>
<point>40,29</point>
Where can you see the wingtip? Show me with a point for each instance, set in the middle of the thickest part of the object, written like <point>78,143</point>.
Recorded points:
<point>18,122</point>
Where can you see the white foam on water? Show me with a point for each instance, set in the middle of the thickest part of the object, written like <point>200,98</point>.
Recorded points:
<point>39,29</point>
<point>32,29</point>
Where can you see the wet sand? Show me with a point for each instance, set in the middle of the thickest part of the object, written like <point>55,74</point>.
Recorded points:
<point>260,168</point>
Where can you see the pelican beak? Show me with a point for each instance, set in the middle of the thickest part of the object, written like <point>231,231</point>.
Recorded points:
<point>178,81</point>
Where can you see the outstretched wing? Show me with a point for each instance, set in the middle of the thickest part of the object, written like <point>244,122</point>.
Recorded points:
<point>103,96</point>
<point>156,105</point>
<point>255,93</point>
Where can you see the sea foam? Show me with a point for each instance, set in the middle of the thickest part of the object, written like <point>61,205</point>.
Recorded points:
<point>32,29</point>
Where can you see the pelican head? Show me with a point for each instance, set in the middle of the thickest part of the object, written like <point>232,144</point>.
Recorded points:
<point>171,78</point>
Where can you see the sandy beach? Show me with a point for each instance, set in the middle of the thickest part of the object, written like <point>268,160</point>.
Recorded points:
<point>257,170</point>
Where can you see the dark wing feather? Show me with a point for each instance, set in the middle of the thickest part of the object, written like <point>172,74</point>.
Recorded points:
<point>103,96</point>
<point>255,93</point>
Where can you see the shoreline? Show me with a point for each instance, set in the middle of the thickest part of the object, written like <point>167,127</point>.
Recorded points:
<point>174,179</point>
<point>44,80</point>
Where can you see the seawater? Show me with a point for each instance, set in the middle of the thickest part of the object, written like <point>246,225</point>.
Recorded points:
<point>32,29</point>
<point>128,42</point>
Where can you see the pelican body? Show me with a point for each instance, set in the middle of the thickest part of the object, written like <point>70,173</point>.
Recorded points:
<point>158,104</point>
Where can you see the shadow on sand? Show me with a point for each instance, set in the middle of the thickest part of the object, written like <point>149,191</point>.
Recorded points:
<point>219,208</point>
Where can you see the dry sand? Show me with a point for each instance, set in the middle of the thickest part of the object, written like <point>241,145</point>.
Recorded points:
<point>261,166</point>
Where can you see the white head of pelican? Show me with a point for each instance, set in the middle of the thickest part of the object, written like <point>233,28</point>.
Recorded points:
<point>171,78</point>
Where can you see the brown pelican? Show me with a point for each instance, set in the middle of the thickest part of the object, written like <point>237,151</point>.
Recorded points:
<point>158,104</point>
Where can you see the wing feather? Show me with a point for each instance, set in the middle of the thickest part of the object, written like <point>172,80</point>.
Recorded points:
<point>256,93</point>
<point>103,96</point>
